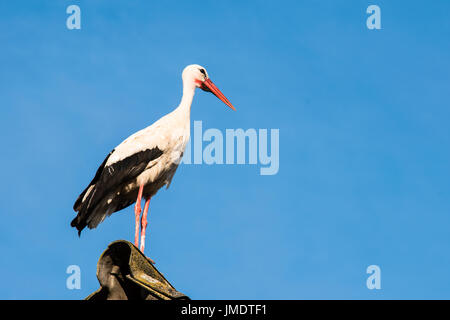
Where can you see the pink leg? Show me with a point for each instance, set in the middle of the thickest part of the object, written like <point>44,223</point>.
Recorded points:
<point>137,213</point>
<point>144,224</point>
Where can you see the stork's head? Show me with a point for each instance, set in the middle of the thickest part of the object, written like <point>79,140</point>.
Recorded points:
<point>196,76</point>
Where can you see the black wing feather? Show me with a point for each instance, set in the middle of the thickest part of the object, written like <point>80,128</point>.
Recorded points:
<point>109,177</point>
<point>76,206</point>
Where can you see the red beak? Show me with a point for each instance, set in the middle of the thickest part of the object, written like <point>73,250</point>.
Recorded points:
<point>212,87</point>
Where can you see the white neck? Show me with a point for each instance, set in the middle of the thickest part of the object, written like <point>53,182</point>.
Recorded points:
<point>186,100</point>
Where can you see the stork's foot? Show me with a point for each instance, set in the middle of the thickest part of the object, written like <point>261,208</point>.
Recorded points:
<point>149,259</point>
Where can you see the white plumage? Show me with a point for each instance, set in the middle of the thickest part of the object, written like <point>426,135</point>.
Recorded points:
<point>144,162</point>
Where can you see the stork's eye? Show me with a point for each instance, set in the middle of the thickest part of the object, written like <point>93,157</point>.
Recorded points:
<point>203,71</point>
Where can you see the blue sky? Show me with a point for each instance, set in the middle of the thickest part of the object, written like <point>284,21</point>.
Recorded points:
<point>364,144</point>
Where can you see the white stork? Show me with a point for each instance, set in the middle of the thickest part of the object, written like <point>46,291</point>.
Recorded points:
<point>143,163</point>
